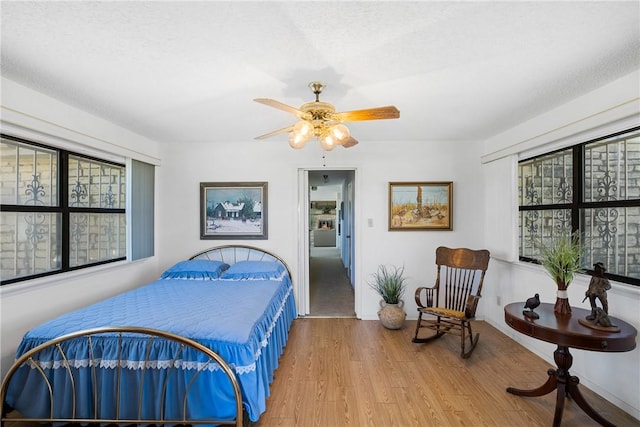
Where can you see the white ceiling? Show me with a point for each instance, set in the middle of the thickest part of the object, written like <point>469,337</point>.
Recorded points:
<point>188,71</point>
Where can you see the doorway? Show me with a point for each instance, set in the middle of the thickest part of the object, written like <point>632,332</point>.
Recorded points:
<point>330,216</point>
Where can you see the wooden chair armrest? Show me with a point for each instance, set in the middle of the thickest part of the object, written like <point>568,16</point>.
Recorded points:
<point>470,308</point>
<point>428,291</point>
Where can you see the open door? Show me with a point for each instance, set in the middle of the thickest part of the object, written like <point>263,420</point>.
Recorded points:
<point>327,285</point>
<point>348,248</point>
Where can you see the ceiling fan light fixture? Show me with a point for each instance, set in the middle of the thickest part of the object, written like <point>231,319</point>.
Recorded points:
<point>319,119</point>
<point>328,142</point>
<point>340,133</point>
<point>300,134</point>
<point>296,142</point>
<point>304,128</point>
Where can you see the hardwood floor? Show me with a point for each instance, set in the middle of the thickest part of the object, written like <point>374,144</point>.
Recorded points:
<point>348,372</point>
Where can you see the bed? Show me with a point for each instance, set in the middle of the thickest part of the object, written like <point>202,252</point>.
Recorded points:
<point>159,353</point>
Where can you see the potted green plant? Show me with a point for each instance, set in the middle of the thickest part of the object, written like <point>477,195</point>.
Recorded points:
<point>390,284</point>
<point>561,259</point>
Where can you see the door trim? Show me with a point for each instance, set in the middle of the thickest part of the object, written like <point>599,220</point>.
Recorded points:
<point>304,241</point>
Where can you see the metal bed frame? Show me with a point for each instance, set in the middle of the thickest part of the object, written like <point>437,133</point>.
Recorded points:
<point>150,334</point>
<point>229,254</point>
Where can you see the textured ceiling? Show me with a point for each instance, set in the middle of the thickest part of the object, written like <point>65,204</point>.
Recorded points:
<point>188,71</point>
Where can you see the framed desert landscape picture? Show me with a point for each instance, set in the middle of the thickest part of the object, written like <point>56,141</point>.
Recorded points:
<point>420,206</point>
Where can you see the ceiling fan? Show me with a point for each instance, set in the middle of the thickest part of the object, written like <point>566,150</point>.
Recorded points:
<point>320,119</point>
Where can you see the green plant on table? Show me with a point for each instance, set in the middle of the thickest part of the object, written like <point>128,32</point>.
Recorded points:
<point>561,259</point>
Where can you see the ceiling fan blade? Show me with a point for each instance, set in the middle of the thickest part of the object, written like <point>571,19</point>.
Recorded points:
<point>350,142</point>
<point>389,112</point>
<point>275,132</point>
<point>280,106</point>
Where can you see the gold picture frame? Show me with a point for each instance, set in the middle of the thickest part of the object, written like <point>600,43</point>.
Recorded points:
<point>233,210</point>
<point>416,206</point>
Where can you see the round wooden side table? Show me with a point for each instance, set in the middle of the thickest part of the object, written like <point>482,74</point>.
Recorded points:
<point>566,331</point>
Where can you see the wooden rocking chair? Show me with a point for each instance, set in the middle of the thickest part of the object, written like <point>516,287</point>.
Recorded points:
<point>456,294</point>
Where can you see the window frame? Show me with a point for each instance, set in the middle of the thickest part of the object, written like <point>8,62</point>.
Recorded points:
<point>577,203</point>
<point>63,208</point>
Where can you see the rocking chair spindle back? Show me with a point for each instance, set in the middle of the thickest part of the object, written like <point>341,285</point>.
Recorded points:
<point>460,275</point>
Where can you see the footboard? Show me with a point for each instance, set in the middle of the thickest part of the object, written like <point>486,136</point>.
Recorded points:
<point>74,381</point>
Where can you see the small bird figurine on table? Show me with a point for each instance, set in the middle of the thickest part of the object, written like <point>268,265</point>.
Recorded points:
<point>531,304</point>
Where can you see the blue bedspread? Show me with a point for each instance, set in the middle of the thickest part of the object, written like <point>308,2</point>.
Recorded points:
<point>246,322</point>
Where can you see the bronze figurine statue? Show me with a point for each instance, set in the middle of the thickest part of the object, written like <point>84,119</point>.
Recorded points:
<point>598,287</point>
<point>602,318</point>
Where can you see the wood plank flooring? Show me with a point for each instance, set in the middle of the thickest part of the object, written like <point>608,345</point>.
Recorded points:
<point>349,372</point>
<point>346,372</point>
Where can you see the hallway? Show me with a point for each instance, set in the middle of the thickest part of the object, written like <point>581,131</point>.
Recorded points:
<point>330,293</point>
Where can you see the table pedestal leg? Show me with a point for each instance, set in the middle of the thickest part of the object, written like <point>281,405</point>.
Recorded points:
<point>566,385</point>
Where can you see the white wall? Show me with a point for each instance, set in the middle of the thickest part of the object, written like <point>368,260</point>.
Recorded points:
<point>29,114</point>
<point>615,376</point>
<point>186,165</point>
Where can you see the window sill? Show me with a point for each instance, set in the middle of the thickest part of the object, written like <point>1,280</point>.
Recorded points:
<point>33,284</point>
<point>619,288</point>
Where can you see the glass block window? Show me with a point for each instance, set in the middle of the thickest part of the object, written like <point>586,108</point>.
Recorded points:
<point>60,210</point>
<point>94,184</point>
<point>612,169</point>
<point>96,237</point>
<point>547,179</point>
<point>539,228</point>
<point>30,243</point>
<point>592,188</point>
<point>29,174</point>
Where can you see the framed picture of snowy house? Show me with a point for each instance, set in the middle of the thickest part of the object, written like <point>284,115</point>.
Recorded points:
<point>233,210</point>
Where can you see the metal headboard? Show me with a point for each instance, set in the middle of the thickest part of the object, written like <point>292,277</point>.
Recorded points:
<point>231,254</point>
